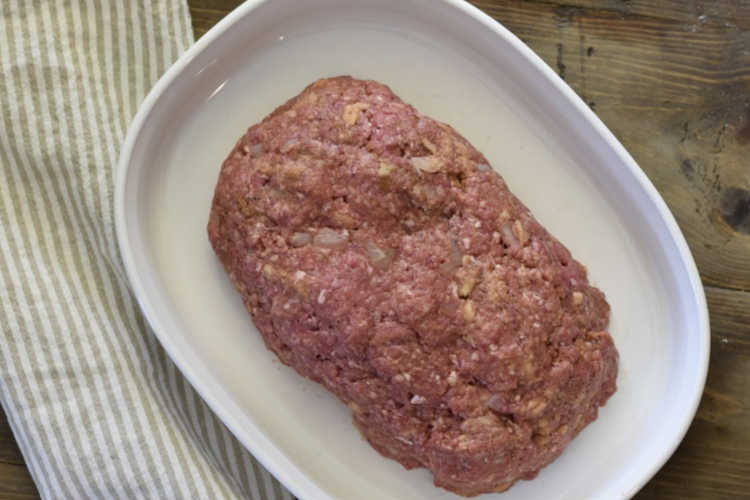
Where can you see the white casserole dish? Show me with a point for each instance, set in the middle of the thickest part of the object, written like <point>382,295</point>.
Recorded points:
<point>457,65</point>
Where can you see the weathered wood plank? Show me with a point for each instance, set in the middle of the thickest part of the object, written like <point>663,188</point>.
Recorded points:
<point>16,483</point>
<point>9,452</point>
<point>15,480</point>
<point>734,14</point>
<point>206,13</point>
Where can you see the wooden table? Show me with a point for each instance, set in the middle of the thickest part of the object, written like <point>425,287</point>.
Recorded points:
<point>671,79</point>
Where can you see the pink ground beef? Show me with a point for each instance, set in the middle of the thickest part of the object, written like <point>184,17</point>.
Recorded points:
<point>380,256</point>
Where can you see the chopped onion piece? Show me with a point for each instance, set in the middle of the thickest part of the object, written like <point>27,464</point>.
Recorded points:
<point>428,164</point>
<point>329,238</point>
<point>380,259</point>
<point>509,238</point>
<point>455,258</point>
<point>300,239</point>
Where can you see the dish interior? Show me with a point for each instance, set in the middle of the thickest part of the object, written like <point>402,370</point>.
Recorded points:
<point>550,155</point>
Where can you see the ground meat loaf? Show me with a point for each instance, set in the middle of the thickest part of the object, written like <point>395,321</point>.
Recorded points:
<point>380,255</point>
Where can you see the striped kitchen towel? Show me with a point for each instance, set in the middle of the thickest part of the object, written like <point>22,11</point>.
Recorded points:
<point>98,409</point>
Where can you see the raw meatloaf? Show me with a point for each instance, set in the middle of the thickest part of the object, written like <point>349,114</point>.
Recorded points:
<point>380,255</point>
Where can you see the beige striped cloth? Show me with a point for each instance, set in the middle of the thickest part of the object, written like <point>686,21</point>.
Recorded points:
<point>98,409</point>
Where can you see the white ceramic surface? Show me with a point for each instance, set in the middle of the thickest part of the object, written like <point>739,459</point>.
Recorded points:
<point>459,66</point>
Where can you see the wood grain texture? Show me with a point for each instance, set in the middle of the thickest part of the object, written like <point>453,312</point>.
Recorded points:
<point>9,452</point>
<point>15,480</point>
<point>671,79</point>
<point>16,483</point>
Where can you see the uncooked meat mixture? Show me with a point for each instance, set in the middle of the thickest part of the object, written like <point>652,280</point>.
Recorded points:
<point>381,256</point>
